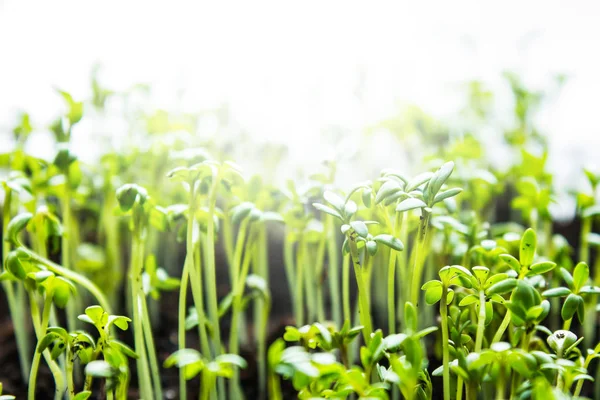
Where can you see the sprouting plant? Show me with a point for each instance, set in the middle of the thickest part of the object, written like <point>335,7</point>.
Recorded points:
<point>357,234</point>
<point>15,184</point>
<point>135,199</point>
<point>440,291</point>
<point>192,363</point>
<point>576,291</point>
<point>115,365</point>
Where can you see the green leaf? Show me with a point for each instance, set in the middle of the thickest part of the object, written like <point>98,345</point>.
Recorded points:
<point>542,267</point>
<point>410,204</point>
<point>439,178</point>
<point>502,287</point>
<point>95,313</point>
<point>433,295</point>
<point>468,300</point>
<point>527,247</point>
<point>83,395</point>
<point>512,262</point>
<point>556,292</point>
<point>241,211</point>
<point>388,188</point>
<point>446,194</point>
<point>183,357</point>
<point>327,210</point>
<point>15,226</point>
<point>120,321</point>
<point>232,359</point>
<point>581,274</point>
<point>567,277</point>
<point>570,306</point>
<point>390,241</point>
<point>371,247</point>
<point>335,200</point>
<point>14,265</point>
<point>418,181</point>
<point>360,228</point>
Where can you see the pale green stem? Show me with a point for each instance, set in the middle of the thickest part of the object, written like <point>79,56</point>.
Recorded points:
<point>144,379</point>
<point>480,322</point>
<point>290,267</point>
<point>69,373</point>
<point>363,292</point>
<point>334,283</point>
<point>236,309</point>
<point>181,324</point>
<point>420,251</point>
<point>211,277</point>
<point>346,289</point>
<point>391,279</point>
<point>300,284</point>
<point>459,388</point>
<point>502,328</point>
<point>445,341</point>
<point>66,251</point>
<point>308,269</point>
<point>40,329</point>
<point>149,339</point>
<point>15,306</point>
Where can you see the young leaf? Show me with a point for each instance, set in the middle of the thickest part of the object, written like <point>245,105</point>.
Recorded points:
<point>390,241</point>
<point>446,194</point>
<point>327,210</point>
<point>570,306</point>
<point>527,247</point>
<point>581,274</point>
<point>410,204</point>
<point>360,228</point>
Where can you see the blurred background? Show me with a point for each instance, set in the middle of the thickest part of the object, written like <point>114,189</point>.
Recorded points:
<point>284,86</point>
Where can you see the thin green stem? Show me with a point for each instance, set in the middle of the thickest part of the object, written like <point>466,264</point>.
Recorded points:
<point>363,292</point>
<point>290,267</point>
<point>480,322</point>
<point>500,384</point>
<point>144,379</point>
<point>15,306</point>
<point>391,279</point>
<point>309,272</point>
<point>236,309</point>
<point>149,339</point>
<point>66,250</point>
<point>181,324</point>
<point>502,328</point>
<point>459,388</point>
<point>69,373</point>
<point>445,343</point>
<point>40,330</point>
<point>334,279</point>
<point>420,252</point>
<point>300,283</point>
<point>318,273</point>
<point>346,289</point>
<point>579,386</point>
<point>584,250</point>
<point>262,309</point>
<point>567,324</point>
<point>211,276</point>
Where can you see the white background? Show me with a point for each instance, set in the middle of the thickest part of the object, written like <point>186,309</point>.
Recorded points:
<point>289,69</point>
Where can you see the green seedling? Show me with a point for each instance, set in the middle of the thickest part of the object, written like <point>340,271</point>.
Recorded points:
<point>576,291</point>
<point>193,364</point>
<point>135,200</point>
<point>115,366</point>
